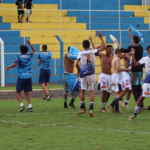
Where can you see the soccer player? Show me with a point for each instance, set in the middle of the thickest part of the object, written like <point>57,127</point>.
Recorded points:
<point>136,72</point>
<point>86,68</point>
<point>20,12</point>
<point>69,81</point>
<point>117,81</point>
<point>24,82</point>
<point>104,80</point>
<point>127,80</point>
<point>44,59</point>
<point>29,6</point>
<point>146,86</point>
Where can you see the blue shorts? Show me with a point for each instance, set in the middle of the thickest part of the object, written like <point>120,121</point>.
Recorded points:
<point>24,85</point>
<point>69,82</point>
<point>44,76</point>
<point>136,78</point>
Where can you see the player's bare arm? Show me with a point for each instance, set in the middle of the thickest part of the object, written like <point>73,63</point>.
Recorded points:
<point>103,47</point>
<point>11,66</point>
<point>116,41</point>
<point>32,47</point>
<point>134,63</point>
<point>118,68</point>
<point>78,67</point>
<point>91,40</point>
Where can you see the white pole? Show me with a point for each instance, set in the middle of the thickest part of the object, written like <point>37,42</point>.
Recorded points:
<point>2,64</point>
<point>89,16</point>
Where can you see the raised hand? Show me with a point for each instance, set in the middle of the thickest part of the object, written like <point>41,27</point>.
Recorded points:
<point>28,41</point>
<point>100,34</point>
<point>116,41</point>
<point>129,30</point>
<point>90,38</point>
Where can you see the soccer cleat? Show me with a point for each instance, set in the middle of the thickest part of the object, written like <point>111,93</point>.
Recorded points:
<point>121,104</point>
<point>21,109</point>
<point>49,97</point>
<point>84,108</point>
<point>81,111</point>
<point>44,99</point>
<point>91,113</point>
<point>111,108</point>
<point>103,110</point>
<point>132,117</point>
<point>72,105</point>
<point>29,109</point>
<point>65,105</point>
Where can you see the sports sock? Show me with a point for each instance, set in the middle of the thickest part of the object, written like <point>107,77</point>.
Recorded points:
<point>114,101</point>
<point>126,102</point>
<point>136,110</point>
<point>82,104</point>
<point>117,106</point>
<point>72,100</point>
<point>21,104</point>
<point>91,105</point>
<point>30,106</point>
<point>103,105</point>
<point>121,99</point>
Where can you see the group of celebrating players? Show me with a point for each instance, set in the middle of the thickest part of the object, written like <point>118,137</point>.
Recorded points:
<point>122,81</point>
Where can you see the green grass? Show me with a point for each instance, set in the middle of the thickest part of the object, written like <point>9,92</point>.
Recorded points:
<point>50,127</point>
<point>34,87</point>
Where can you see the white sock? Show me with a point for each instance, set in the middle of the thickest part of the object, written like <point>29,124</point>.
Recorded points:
<point>21,104</point>
<point>30,106</point>
<point>127,101</point>
<point>136,109</point>
<point>103,105</point>
<point>81,102</point>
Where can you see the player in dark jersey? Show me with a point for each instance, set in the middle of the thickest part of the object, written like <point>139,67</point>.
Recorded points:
<point>136,72</point>
<point>20,12</point>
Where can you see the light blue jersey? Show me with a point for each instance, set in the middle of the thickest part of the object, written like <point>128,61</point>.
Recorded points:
<point>24,66</point>
<point>45,58</point>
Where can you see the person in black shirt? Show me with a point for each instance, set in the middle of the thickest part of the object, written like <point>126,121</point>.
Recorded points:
<point>28,5</point>
<point>136,72</point>
<point>20,12</point>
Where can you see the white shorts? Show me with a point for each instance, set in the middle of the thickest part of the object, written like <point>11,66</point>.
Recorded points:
<point>127,80</point>
<point>146,90</point>
<point>104,82</point>
<point>117,82</point>
<point>88,82</point>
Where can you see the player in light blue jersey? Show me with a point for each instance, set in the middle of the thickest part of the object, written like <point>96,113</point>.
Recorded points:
<point>44,59</point>
<point>146,86</point>
<point>24,82</point>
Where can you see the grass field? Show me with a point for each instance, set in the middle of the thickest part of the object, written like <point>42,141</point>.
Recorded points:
<point>50,127</point>
<point>34,87</point>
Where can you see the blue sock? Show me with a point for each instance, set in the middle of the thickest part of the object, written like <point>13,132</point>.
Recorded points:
<point>72,100</point>
<point>91,105</point>
<point>82,104</point>
<point>114,101</point>
<point>117,106</point>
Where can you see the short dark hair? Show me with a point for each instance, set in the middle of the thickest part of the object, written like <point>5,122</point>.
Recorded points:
<point>136,39</point>
<point>44,47</point>
<point>108,46</point>
<point>23,49</point>
<point>86,44</point>
<point>117,51</point>
<point>148,47</point>
<point>68,49</point>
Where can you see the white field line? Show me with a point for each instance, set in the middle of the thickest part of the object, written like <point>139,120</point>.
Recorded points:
<point>33,90</point>
<point>81,128</point>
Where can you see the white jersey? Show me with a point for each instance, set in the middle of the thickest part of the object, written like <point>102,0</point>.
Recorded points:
<point>146,61</point>
<point>87,62</point>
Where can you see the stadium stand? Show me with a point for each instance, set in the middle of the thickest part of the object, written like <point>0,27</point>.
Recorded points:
<point>76,21</point>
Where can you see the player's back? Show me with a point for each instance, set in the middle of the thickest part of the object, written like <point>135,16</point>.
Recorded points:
<point>45,58</point>
<point>68,64</point>
<point>114,65</point>
<point>24,65</point>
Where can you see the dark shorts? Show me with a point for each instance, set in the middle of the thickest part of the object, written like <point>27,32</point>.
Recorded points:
<point>20,12</point>
<point>24,85</point>
<point>44,76</point>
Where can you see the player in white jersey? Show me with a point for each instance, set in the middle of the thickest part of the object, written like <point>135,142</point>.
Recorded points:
<point>146,86</point>
<point>86,68</point>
